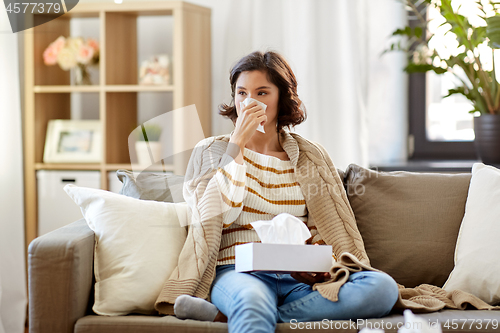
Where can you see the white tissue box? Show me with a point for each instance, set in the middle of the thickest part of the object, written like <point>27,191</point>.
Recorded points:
<point>283,258</point>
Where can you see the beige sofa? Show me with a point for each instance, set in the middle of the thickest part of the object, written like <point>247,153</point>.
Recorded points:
<point>409,223</point>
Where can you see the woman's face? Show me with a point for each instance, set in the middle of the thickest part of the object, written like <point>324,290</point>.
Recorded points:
<point>255,84</point>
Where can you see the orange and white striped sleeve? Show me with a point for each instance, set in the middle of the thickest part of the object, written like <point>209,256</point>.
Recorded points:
<point>214,183</point>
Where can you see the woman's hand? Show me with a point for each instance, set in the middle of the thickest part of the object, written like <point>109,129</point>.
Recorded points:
<point>310,278</point>
<point>248,120</point>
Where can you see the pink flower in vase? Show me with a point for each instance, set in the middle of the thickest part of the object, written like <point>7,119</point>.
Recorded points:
<point>84,54</point>
<point>93,44</point>
<point>50,56</point>
<point>52,51</point>
<point>59,43</point>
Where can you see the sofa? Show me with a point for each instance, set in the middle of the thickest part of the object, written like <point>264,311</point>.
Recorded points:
<point>409,222</point>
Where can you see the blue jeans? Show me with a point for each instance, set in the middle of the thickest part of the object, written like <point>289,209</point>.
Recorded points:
<point>255,302</point>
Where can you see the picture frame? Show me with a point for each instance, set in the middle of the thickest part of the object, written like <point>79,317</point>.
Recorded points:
<point>73,141</point>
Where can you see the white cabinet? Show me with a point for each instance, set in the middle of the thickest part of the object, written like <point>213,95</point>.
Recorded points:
<point>55,207</point>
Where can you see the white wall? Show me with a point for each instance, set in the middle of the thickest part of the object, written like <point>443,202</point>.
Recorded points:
<point>12,259</point>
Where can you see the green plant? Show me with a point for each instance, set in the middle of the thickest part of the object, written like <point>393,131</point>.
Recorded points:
<point>476,82</point>
<point>149,132</point>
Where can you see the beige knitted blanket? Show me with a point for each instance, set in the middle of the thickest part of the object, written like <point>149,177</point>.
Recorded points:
<point>421,299</point>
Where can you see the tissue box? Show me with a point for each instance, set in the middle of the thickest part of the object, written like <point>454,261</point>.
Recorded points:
<point>283,258</point>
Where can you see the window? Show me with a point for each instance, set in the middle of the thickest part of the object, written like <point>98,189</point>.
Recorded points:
<point>447,119</point>
<point>424,125</point>
<point>440,128</point>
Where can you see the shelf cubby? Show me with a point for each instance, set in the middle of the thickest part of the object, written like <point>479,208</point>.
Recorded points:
<point>48,106</point>
<point>121,119</point>
<point>127,110</point>
<point>121,48</point>
<point>66,25</point>
<point>44,35</point>
<point>62,105</point>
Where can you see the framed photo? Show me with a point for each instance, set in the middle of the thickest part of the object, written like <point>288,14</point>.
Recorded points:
<point>73,141</point>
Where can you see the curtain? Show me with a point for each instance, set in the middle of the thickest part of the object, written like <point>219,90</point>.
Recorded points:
<point>2,330</point>
<point>355,99</point>
<point>12,257</point>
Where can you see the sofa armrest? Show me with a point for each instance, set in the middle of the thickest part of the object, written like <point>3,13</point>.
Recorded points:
<point>60,278</point>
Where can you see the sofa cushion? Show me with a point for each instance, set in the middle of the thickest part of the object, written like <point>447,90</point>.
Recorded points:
<point>409,221</point>
<point>476,257</point>
<point>137,244</point>
<point>151,186</point>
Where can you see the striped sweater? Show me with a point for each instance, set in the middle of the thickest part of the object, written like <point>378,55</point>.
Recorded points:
<point>263,187</point>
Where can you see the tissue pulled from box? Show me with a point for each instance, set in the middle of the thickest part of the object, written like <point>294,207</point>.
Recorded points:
<point>284,228</point>
<point>413,324</point>
<point>249,100</point>
<point>416,324</point>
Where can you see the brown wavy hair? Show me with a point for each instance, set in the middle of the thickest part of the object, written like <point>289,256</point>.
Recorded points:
<point>291,111</point>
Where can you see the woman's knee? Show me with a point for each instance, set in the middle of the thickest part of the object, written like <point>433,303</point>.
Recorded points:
<point>252,309</point>
<point>384,291</point>
<point>254,300</point>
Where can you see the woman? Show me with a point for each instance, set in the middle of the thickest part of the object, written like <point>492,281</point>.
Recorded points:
<point>249,175</point>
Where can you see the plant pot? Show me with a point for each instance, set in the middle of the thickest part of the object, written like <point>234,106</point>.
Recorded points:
<point>143,148</point>
<point>487,142</point>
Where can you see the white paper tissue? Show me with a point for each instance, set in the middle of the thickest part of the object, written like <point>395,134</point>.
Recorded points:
<point>249,100</point>
<point>284,228</point>
<point>413,324</point>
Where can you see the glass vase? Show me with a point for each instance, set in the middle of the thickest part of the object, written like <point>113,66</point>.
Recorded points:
<point>82,76</point>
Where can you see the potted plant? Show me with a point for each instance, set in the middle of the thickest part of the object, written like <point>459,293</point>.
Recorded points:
<point>148,146</point>
<point>476,81</point>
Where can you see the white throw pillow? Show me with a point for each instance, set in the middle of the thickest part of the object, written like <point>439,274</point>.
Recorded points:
<point>137,246</point>
<point>478,245</point>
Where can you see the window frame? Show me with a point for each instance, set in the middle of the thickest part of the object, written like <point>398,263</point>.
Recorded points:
<point>424,149</point>
<point>421,148</point>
